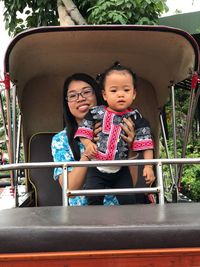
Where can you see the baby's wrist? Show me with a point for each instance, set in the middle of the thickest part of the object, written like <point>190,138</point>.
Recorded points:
<point>148,166</point>
<point>133,155</point>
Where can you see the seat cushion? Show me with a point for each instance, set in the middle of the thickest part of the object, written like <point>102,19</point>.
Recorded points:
<point>54,229</point>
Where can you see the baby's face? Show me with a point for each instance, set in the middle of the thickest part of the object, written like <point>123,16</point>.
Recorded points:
<point>119,91</point>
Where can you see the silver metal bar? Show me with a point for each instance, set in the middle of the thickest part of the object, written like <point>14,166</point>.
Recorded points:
<point>174,130</point>
<point>166,148</point>
<point>198,129</point>
<point>65,196</point>
<point>18,139</point>
<point>13,129</point>
<point>8,108</point>
<point>66,193</point>
<point>14,121</point>
<point>174,121</point>
<point>10,144</point>
<point>160,183</point>
<point>119,191</point>
<point>33,165</point>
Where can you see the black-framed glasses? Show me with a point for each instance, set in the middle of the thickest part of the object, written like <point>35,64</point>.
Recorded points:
<point>85,93</point>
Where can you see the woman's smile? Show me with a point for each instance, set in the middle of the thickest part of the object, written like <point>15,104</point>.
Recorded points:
<point>83,107</point>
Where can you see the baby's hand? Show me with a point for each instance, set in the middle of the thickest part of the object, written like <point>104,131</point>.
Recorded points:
<point>148,173</point>
<point>91,150</point>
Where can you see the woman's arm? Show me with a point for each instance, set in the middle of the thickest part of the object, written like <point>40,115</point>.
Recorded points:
<point>61,152</point>
<point>76,178</point>
<point>133,168</point>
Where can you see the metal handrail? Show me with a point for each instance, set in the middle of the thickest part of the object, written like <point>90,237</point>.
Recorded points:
<point>36,165</point>
<point>67,193</point>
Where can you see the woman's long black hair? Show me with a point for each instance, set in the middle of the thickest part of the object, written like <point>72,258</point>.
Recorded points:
<point>70,121</point>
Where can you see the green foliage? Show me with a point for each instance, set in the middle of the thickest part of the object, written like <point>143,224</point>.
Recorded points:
<point>123,11</point>
<point>191,173</point>
<point>3,145</point>
<point>21,14</point>
<point>191,182</point>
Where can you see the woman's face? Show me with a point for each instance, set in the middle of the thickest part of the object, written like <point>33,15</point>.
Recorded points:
<point>81,97</point>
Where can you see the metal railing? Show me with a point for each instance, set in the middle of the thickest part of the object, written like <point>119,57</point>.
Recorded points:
<point>68,193</point>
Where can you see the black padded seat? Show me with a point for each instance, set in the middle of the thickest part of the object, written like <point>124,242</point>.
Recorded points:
<point>55,229</point>
<point>47,191</point>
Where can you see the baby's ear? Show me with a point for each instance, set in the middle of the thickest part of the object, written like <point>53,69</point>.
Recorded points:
<point>134,94</point>
<point>104,95</point>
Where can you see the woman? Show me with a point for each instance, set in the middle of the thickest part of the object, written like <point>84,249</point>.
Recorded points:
<point>81,92</point>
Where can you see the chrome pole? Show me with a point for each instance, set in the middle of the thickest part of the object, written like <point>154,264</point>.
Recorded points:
<point>10,134</point>
<point>65,195</point>
<point>174,130</point>
<point>13,128</point>
<point>160,183</point>
<point>14,121</point>
<point>18,138</point>
<point>166,148</point>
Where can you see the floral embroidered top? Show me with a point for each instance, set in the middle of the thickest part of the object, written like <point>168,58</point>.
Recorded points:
<point>110,145</point>
<point>61,152</point>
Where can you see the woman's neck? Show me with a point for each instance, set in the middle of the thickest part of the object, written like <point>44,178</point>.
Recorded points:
<point>78,121</point>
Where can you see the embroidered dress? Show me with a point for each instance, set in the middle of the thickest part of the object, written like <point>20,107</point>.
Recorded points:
<point>110,145</point>
<point>61,152</point>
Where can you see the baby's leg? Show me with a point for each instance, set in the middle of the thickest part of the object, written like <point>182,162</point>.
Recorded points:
<point>124,180</point>
<point>94,181</point>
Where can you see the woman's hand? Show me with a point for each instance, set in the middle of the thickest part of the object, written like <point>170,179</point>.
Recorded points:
<point>97,129</point>
<point>129,130</point>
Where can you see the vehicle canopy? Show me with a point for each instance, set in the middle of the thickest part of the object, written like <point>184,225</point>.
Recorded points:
<point>39,60</point>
